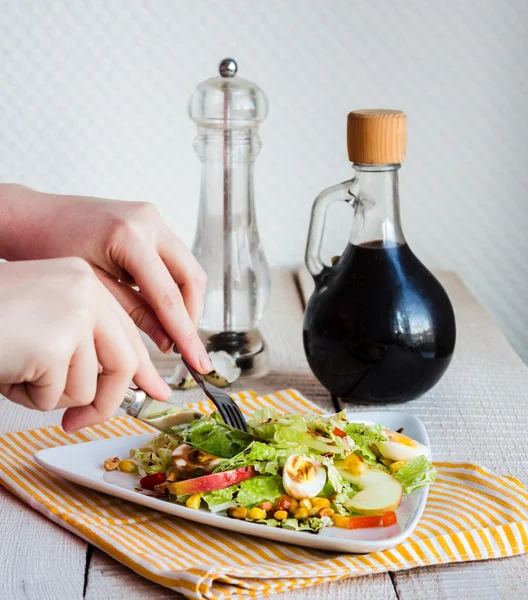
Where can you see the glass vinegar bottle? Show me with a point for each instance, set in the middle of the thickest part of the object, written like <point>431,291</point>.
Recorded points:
<point>379,326</point>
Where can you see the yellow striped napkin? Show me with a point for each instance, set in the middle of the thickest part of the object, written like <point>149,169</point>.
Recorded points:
<point>471,514</point>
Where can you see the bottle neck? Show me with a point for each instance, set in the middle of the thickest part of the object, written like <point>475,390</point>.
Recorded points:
<point>376,205</point>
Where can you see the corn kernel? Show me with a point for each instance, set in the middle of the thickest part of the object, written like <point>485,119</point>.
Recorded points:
<point>340,521</point>
<point>354,464</point>
<point>127,466</point>
<point>301,513</point>
<point>280,515</point>
<point>321,502</point>
<point>396,466</point>
<point>257,513</point>
<point>238,512</point>
<point>294,505</point>
<point>193,501</point>
<point>326,512</point>
<point>305,503</point>
<point>313,512</point>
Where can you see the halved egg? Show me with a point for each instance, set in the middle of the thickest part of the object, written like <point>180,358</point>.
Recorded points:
<point>225,370</point>
<point>303,477</point>
<point>400,447</point>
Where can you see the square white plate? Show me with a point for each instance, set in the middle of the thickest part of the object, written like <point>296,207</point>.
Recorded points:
<point>83,464</point>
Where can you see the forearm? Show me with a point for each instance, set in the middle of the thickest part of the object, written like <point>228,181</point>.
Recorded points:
<point>13,198</point>
<point>21,221</point>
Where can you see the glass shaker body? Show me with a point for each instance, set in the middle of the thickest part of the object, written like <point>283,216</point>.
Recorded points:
<point>227,244</point>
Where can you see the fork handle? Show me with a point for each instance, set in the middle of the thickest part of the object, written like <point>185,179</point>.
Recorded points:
<point>133,402</point>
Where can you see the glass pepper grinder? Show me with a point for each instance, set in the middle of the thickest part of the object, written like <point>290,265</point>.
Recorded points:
<point>228,111</point>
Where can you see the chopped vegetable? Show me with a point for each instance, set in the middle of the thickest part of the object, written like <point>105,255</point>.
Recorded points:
<point>362,522</point>
<point>151,481</point>
<point>213,436</point>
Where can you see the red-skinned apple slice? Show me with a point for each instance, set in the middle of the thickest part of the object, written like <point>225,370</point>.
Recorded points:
<point>209,483</point>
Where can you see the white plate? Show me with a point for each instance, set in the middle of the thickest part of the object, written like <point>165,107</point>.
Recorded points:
<point>83,464</point>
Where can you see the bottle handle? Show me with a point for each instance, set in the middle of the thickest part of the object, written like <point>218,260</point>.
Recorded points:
<point>322,203</point>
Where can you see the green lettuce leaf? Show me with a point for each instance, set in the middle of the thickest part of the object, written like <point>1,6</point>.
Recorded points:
<point>220,498</point>
<point>365,436</point>
<point>262,416</point>
<point>268,522</point>
<point>325,425</point>
<point>155,457</point>
<point>348,491</point>
<point>249,493</point>
<point>315,432</point>
<point>213,436</point>
<point>264,457</point>
<point>416,473</point>
<point>313,524</point>
<point>263,488</point>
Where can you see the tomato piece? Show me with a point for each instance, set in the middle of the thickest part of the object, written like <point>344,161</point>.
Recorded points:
<point>389,518</point>
<point>283,503</point>
<point>385,520</point>
<point>150,481</point>
<point>339,432</point>
<point>366,521</point>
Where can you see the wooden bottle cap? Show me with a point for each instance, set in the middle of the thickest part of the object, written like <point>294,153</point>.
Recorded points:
<point>377,136</point>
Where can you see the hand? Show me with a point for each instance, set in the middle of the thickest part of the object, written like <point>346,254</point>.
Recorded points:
<point>67,343</point>
<point>127,244</point>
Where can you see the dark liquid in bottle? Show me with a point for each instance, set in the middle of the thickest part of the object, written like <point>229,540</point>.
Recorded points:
<point>379,326</point>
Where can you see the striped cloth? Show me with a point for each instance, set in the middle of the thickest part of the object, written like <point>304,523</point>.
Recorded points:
<point>471,514</point>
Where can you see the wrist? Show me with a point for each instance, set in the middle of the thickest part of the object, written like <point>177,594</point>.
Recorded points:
<point>15,218</point>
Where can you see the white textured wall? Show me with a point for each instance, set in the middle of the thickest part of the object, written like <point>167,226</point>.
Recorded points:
<point>93,101</point>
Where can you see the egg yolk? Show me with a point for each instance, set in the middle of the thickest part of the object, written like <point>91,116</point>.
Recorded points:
<point>301,470</point>
<point>402,439</point>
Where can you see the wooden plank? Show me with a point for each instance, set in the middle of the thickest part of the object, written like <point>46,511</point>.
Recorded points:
<point>39,559</point>
<point>282,329</point>
<point>109,579</point>
<point>486,580</point>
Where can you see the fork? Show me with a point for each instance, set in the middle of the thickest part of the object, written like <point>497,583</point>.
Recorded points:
<point>227,408</point>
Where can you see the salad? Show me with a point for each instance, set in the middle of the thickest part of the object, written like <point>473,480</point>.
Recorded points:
<point>301,472</point>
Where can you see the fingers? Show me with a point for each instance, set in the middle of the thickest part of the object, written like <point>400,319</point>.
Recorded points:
<point>186,271</point>
<point>64,383</point>
<point>146,376</point>
<point>139,311</point>
<point>123,357</point>
<point>81,382</point>
<point>117,357</point>
<point>165,297</point>
<point>45,392</point>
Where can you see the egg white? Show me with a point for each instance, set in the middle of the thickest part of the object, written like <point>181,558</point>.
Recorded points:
<point>401,447</point>
<point>295,485</point>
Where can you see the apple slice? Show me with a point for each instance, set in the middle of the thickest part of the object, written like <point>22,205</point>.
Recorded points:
<point>208,483</point>
<point>379,492</point>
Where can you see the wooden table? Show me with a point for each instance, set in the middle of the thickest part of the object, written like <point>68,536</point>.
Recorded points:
<point>478,412</point>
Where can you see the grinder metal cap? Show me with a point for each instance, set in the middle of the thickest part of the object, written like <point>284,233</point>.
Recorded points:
<point>377,136</point>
